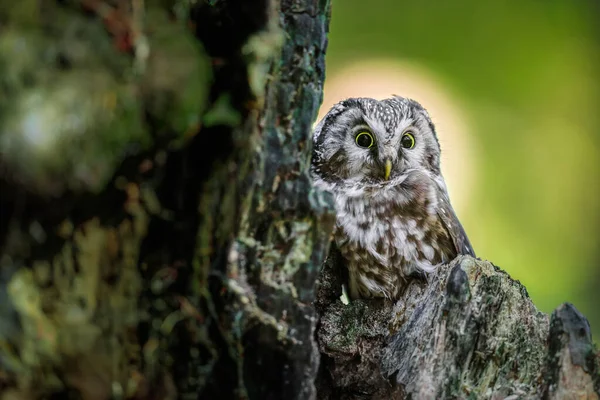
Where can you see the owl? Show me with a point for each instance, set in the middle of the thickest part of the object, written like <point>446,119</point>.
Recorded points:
<point>381,161</point>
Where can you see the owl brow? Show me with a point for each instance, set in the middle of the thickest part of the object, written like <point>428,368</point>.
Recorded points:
<point>359,127</point>
<point>411,128</point>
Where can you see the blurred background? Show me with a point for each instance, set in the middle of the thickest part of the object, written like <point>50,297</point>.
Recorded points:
<point>514,90</point>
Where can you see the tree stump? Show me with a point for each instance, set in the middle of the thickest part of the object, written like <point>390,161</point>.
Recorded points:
<point>469,332</point>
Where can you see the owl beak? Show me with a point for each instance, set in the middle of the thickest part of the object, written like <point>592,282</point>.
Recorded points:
<point>388,168</point>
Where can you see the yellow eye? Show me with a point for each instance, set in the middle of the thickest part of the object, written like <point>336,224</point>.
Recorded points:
<point>364,139</point>
<point>408,140</point>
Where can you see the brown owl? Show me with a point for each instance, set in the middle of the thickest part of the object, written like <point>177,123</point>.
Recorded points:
<point>381,162</point>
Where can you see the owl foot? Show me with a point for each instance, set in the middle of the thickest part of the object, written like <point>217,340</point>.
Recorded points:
<point>344,297</point>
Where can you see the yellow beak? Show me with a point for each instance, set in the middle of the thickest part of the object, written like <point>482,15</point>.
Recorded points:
<point>388,168</point>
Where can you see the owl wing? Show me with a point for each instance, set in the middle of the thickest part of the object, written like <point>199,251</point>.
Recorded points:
<point>453,225</point>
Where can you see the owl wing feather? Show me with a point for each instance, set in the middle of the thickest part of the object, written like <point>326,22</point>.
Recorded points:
<point>453,226</point>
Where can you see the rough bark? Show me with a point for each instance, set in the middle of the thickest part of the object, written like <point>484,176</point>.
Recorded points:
<point>469,332</point>
<point>160,235</point>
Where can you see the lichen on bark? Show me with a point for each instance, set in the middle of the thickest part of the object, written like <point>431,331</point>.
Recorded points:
<point>73,106</point>
<point>166,241</point>
<point>470,331</point>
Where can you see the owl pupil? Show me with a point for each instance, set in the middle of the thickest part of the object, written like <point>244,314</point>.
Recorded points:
<point>408,141</point>
<point>364,140</point>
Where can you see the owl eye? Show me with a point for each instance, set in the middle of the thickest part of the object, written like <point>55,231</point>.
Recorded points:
<point>408,140</point>
<point>364,139</point>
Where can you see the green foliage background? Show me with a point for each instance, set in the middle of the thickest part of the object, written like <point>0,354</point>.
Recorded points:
<point>526,73</point>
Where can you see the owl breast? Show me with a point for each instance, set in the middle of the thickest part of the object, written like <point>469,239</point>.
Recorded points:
<point>387,237</point>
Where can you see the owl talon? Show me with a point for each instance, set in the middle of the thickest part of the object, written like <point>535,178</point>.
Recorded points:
<point>345,299</point>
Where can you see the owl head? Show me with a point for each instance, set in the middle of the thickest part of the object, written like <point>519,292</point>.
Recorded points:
<point>363,141</point>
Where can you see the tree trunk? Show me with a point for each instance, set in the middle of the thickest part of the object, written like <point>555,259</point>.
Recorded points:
<point>160,236</point>
<point>172,252</point>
